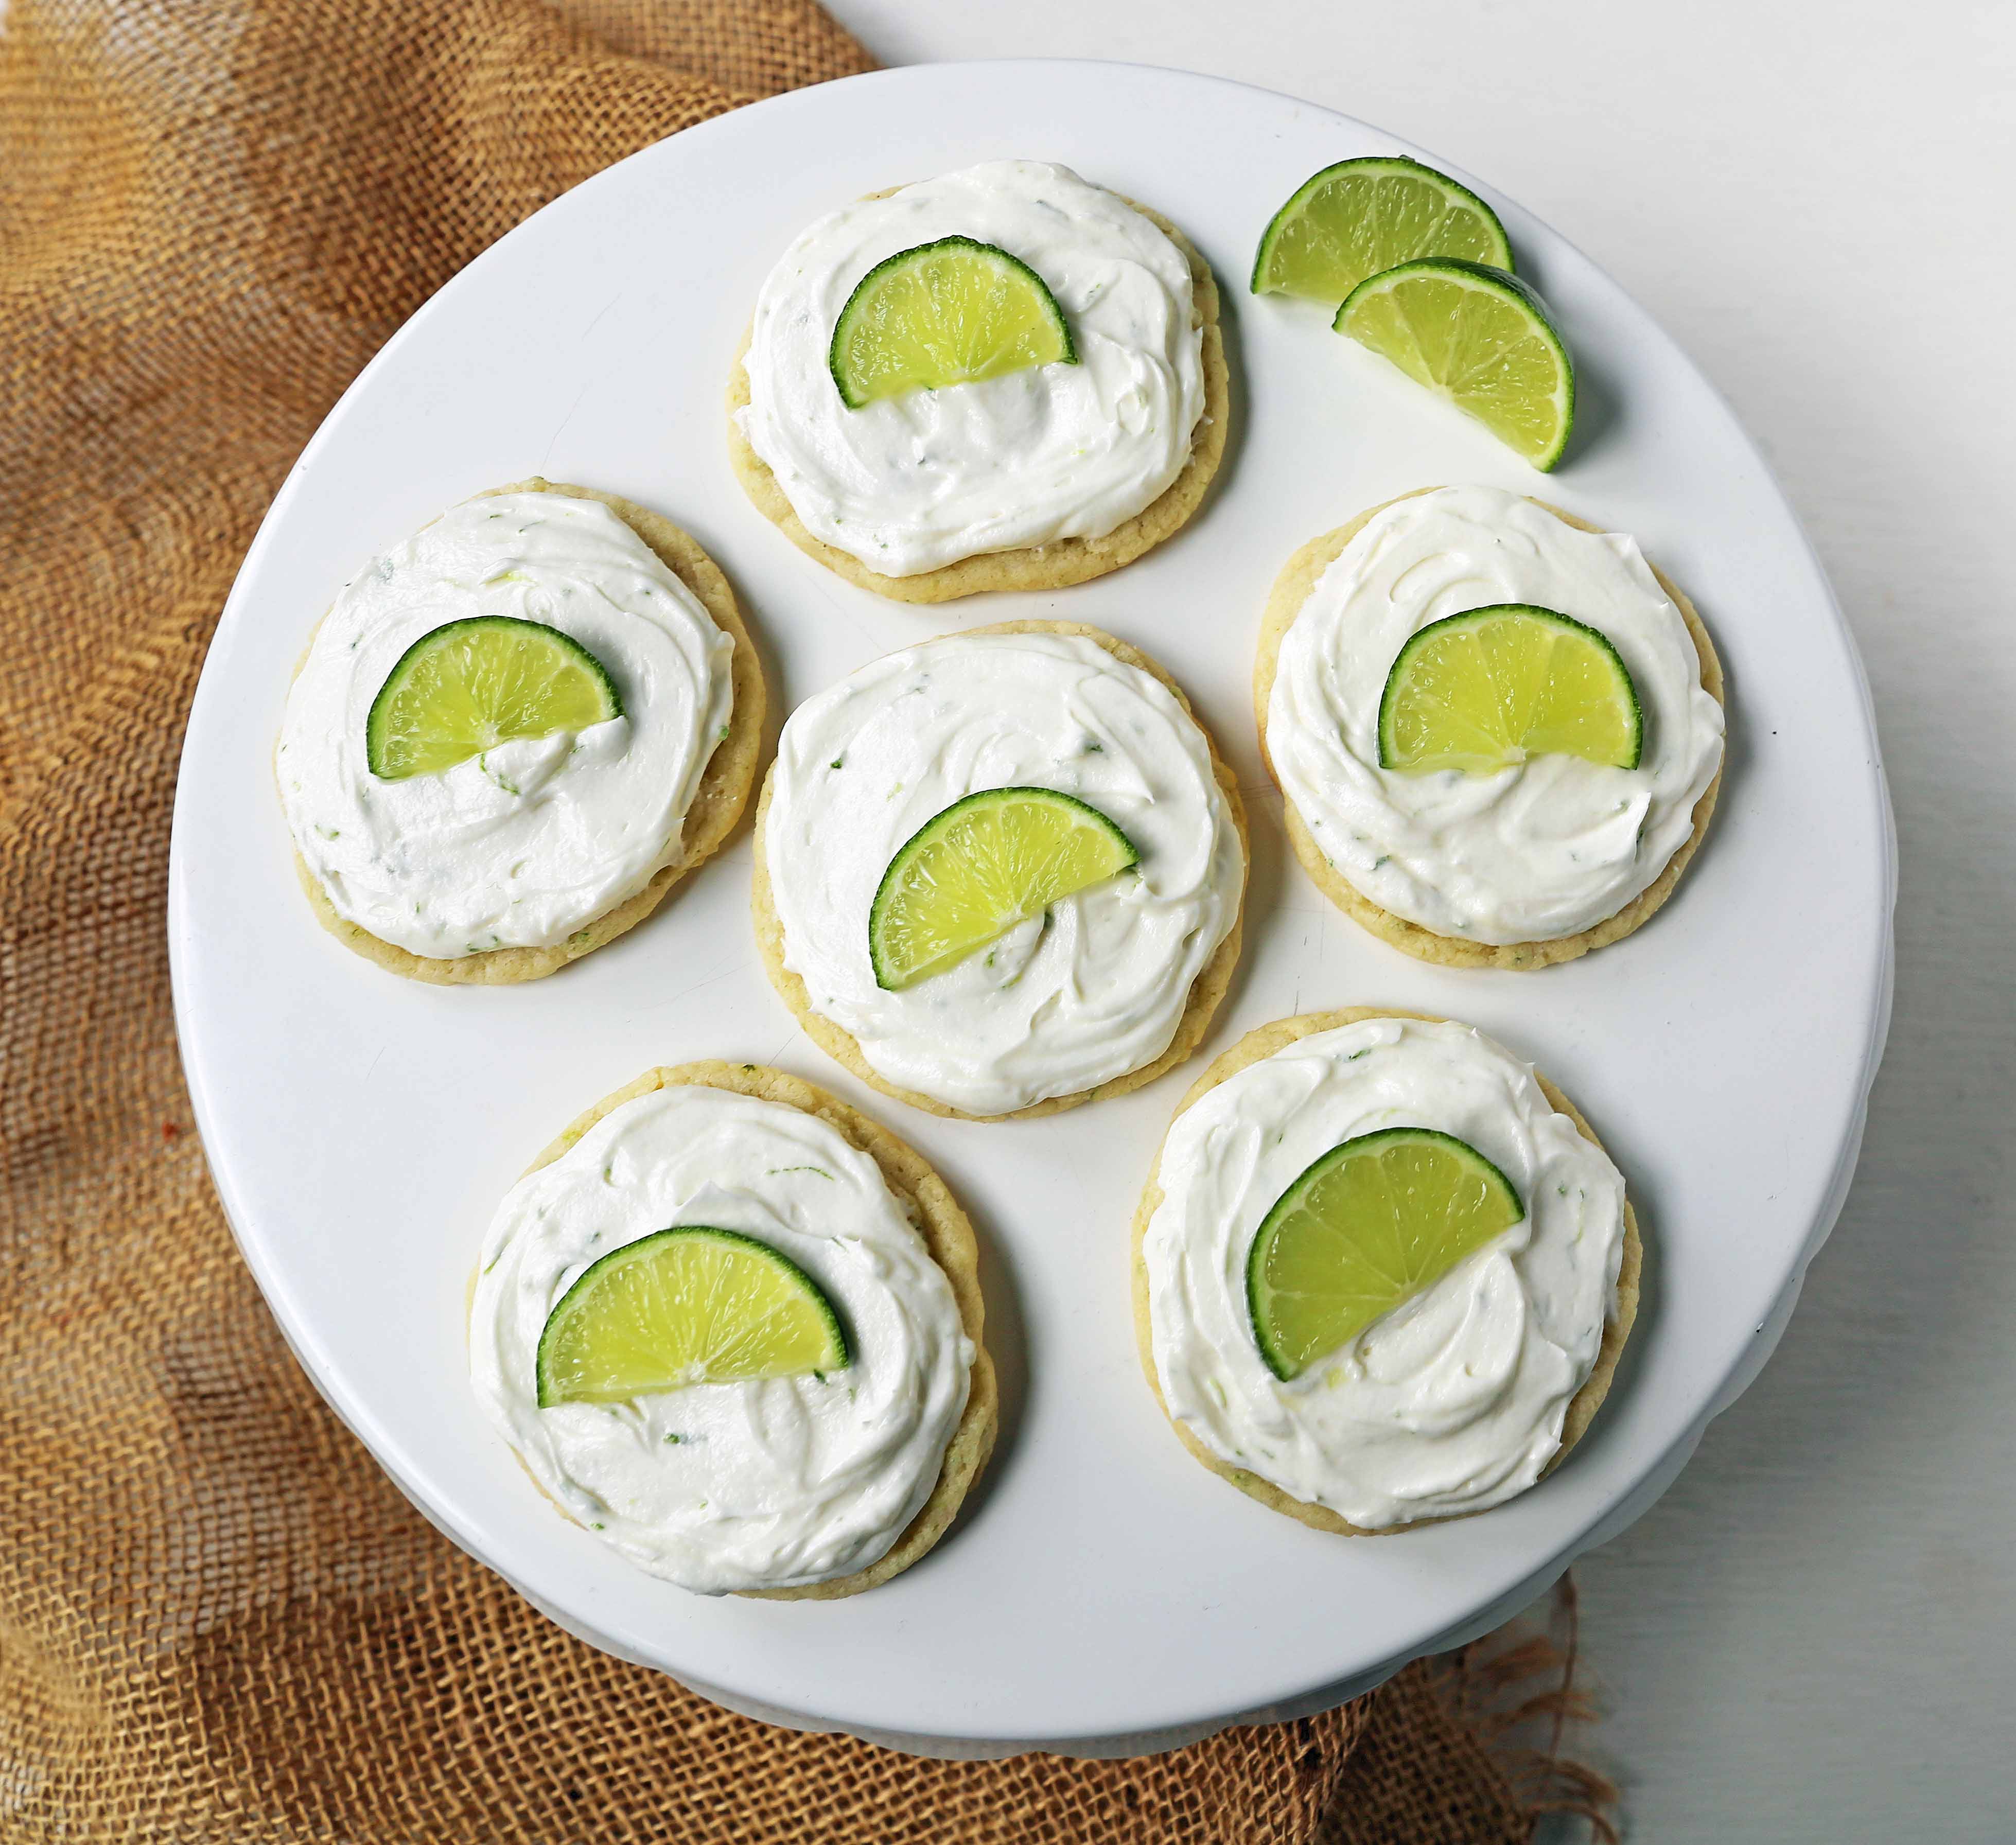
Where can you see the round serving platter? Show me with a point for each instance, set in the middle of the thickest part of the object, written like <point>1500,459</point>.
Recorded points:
<point>1101,1590</point>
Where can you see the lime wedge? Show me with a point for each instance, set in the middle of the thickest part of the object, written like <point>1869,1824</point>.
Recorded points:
<point>951,312</point>
<point>1480,337</point>
<point>1482,691</point>
<point>1368,1225</point>
<point>472,685</point>
<point>1360,216</point>
<point>687,1305</point>
<point>971,873</point>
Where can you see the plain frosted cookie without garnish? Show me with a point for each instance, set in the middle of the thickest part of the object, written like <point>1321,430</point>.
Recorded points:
<point>1102,991</point>
<point>792,1487</point>
<point>520,859</point>
<point>1032,481</point>
<point>1536,863</point>
<point>1462,1395</point>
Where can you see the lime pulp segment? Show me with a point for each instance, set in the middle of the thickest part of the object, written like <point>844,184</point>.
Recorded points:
<point>471,685</point>
<point>1482,691</point>
<point>1359,216</point>
<point>1479,337</point>
<point>972,872</point>
<point>691,1305</point>
<point>1366,1227</point>
<point>951,312</point>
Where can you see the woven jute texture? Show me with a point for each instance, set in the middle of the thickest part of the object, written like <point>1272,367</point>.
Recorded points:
<point>218,1620</point>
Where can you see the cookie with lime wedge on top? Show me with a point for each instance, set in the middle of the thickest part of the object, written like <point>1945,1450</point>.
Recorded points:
<point>734,1329</point>
<point>1382,1271</point>
<point>1497,730</point>
<point>512,735</point>
<point>1001,872</point>
<point>1003,377</point>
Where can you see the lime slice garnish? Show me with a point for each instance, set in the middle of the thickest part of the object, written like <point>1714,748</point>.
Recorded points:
<point>1368,1225</point>
<point>472,685</point>
<point>1480,337</point>
<point>1360,216</point>
<point>971,873</point>
<point>951,312</point>
<point>1482,691</point>
<point>686,1306</point>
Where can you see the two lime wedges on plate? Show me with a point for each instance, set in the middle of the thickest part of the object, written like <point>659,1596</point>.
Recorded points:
<point>1422,272</point>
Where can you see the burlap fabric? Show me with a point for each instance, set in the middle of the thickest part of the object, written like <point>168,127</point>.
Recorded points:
<point>218,1621</point>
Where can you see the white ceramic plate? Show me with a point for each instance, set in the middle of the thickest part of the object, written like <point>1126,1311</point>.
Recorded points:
<point>1101,1583</point>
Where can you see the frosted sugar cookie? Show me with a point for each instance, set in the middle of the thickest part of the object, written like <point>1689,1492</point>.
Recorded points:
<point>1499,730</point>
<point>1383,1271</point>
<point>1000,872</point>
<point>1005,378</point>
<point>733,1328</point>
<point>512,734</point>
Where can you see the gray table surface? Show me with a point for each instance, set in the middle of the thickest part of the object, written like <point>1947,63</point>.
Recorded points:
<point>1813,1635</point>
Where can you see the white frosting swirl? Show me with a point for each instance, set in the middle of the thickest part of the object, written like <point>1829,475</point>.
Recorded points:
<point>1063,1001</point>
<point>910,482</point>
<point>736,1486</point>
<point>1547,848</point>
<point>1451,1402</point>
<point>522,845</point>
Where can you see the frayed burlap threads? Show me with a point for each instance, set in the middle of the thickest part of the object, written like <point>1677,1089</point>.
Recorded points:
<point>1472,1745</point>
<point>218,1622</point>
<point>1517,1691</point>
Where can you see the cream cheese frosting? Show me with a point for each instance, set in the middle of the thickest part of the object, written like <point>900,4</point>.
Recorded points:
<point>735,1486</point>
<point>1454,1401</point>
<point>910,482</point>
<point>1064,1002</point>
<point>519,846</point>
<point>1547,848</point>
